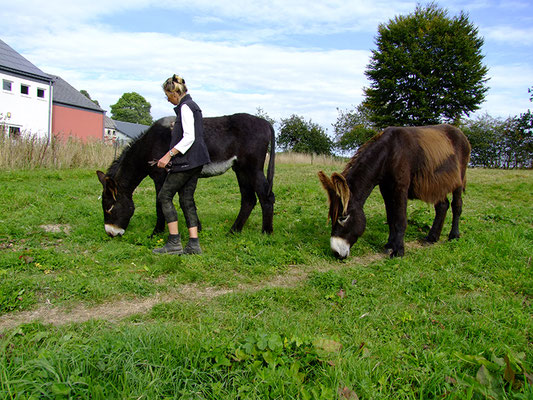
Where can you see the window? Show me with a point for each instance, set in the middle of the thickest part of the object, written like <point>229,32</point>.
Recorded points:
<point>7,85</point>
<point>14,132</point>
<point>24,89</point>
<point>40,93</point>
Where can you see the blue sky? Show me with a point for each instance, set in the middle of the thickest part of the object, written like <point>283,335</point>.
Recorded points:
<point>287,57</point>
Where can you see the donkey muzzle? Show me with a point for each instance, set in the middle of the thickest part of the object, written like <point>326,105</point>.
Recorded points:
<point>340,247</point>
<point>113,230</point>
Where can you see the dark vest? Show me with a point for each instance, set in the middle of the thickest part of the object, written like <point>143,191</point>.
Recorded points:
<point>197,154</point>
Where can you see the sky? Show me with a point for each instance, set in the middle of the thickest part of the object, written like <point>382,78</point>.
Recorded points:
<point>286,57</point>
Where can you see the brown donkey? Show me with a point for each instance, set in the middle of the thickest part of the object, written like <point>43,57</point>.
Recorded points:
<point>425,163</point>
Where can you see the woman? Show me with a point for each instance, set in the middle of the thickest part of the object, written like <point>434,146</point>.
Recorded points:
<point>188,153</point>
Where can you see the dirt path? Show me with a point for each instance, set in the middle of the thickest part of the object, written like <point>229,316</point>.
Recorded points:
<point>116,310</point>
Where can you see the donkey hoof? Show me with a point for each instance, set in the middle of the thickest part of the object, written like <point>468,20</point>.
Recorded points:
<point>396,253</point>
<point>429,240</point>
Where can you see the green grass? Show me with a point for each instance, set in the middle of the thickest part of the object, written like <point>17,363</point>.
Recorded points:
<point>266,317</point>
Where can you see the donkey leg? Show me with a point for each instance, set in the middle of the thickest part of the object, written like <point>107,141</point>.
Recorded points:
<point>248,200</point>
<point>387,198</point>
<point>440,214</point>
<point>457,209</point>
<point>398,223</point>
<point>160,222</point>
<point>266,200</point>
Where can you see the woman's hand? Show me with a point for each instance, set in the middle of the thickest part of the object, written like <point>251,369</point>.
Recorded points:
<point>163,161</point>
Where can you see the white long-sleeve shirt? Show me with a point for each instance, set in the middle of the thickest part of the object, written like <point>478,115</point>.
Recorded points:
<point>187,122</point>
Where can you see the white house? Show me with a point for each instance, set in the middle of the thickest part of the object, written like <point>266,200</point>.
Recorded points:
<point>122,132</point>
<point>26,96</point>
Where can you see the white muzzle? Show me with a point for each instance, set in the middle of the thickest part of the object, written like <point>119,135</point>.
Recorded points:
<point>340,247</point>
<point>113,230</point>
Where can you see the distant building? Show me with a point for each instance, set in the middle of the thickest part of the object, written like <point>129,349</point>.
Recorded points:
<point>130,130</point>
<point>26,96</point>
<point>122,132</point>
<point>35,103</point>
<point>110,131</point>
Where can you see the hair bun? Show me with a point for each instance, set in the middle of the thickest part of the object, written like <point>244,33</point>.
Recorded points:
<point>178,79</point>
<point>175,84</point>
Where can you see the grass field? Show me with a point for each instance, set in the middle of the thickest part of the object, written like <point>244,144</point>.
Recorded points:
<point>262,317</point>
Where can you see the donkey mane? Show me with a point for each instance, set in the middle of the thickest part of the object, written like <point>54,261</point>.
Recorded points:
<point>115,165</point>
<point>360,153</point>
<point>118,162</point>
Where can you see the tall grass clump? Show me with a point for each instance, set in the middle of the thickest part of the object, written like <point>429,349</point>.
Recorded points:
<point>304,158</point>
<point>30,151</point>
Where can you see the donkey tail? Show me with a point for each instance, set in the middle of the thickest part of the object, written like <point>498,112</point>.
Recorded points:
<point>271,161</point>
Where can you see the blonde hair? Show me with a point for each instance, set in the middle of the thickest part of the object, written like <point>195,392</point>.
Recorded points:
<point>175,84</point>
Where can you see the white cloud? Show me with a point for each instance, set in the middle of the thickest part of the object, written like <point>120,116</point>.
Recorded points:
<point>509,35</point>
<point>224,78</point>
<point>277,16</point>
<point>297,13</point>
<point>508,94</point>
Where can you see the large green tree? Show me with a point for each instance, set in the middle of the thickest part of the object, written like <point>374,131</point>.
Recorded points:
<point>427,69</point>
<point>132,107</point>
<point>302,136</point>
<point>353,128</point>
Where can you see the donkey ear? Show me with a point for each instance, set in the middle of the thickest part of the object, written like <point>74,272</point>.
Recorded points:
<point>332,195</point>
<point>101,177</point>
<point>327,184</point>
<point>108,183</point>
<point>341,189</point>
<point>111,186</point>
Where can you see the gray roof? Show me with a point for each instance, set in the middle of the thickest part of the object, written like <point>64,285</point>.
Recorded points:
<point>130,129</point>
<point>13,62</point>
<point>66,95</point>
<point>109,123</point>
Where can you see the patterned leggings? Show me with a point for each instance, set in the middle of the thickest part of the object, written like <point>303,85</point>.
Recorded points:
<point>183,183</point>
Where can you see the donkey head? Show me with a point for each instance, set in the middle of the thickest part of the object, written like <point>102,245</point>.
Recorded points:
<point>118,207</point>
<point>347,218</point>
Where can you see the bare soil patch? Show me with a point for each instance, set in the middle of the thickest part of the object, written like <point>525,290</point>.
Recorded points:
<point>114,311</point>
<point>56,228</point>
